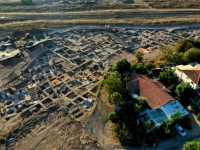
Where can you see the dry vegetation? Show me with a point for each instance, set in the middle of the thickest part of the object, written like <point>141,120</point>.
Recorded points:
<point>173,3</point>
<point>12,21</point>
<point>45,23</point>
<point>9,1</point>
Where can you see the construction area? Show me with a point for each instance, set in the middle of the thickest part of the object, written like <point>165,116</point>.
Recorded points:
<point>49,79</point>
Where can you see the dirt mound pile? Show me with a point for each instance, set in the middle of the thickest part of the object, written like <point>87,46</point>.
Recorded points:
<point>19,34</point>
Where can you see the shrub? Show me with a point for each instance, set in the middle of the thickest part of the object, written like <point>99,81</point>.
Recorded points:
<point>112,83</point>
<point>198,116</point>
<point>149,66</point>
<point>122,66</point>
<point>160,64</point>
<point>113,117</point>
<point>194,107</point>
<point>139,55</point>
<point>192,145</point>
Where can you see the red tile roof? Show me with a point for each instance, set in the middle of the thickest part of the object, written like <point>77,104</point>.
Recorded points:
<point>133,86</point>
<point>152,90</point>
<point>194,75</point>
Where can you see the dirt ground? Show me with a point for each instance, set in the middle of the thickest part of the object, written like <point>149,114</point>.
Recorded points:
<point>56,131</point>
<point>97,123</point>
<point>148,56</point>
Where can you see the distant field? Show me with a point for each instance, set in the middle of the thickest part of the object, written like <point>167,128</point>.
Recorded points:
<point>173,3</point>
<point>45,23</point>
<point>9,1</point>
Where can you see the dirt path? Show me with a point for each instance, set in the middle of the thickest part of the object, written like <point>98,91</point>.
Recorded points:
<point>96,125</point>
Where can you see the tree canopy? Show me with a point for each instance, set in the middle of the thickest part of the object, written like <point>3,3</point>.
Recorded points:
<point>168,78</point>
<point>127,126</point>
<point>170,55</point>
<point>143,102</point>
<point>176,116</point>
<point>183,45</point>
<point>192,145</point>
<point>192,55</point>
<point>139,55</point>
<point>112,83</point>
<point>184,51</point>
<point>167,128</point>
<point>138,68</point>
<point>122,66</point>
<point>116,96</point>
<point>149,66</point>
<point>184,91</point>
<point>113,117</point>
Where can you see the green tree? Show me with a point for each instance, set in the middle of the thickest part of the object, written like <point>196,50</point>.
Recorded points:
<point>112,83</point>
<point>170,55</point>
<point>149,66</point>
<point>122,66</point>
<point>148,124</point>
<point>140,68</point>
<point>26,2</point>
<point>160,63</point>
<point>133,67</point>
<point>168,78</point>
<point>198,116</point>
<point>116,97</point>
<point>184,91</point>
<point>113,117</point>
<point>167,128</point>
<point>176,116</point>
<point>143,102</point>
<point>124,134</point>
<point>192,145</point>
<point>167,52</point>
<point>183,45</point>
<point>192,55</point>
<point>139,55</point>
<point>194,107</point>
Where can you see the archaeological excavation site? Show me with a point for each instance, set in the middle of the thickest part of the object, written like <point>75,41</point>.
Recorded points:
<point>49,82</point>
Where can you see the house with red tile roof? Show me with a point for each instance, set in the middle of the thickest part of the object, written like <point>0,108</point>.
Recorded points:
<point>162,104</point>
<point>154,91</point>
<point>190,74</point>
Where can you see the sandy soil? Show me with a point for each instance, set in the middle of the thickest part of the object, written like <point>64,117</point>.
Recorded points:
<point>148,56</point>
<point>98,125</point>
<point>58,131</point>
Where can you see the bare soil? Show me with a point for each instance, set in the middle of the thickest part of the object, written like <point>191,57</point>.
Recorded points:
<point>48,131</point>
<point>98,125</point>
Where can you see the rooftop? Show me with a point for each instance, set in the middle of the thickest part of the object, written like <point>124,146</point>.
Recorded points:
<point>192,72</point>
<point>172,107</point>
<point>154,91</point>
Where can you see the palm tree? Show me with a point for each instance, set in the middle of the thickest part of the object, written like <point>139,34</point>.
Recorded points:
<point>116,97</point>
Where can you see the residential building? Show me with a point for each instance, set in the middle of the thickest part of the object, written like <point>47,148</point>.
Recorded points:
<point>190,74</point>
<point>154,91</point>
<point>162,104</point>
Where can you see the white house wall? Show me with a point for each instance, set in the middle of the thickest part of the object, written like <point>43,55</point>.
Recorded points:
<point>184,78</point>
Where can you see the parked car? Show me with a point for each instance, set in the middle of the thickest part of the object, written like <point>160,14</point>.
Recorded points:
<point>180,130</point>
